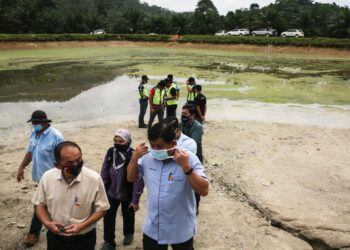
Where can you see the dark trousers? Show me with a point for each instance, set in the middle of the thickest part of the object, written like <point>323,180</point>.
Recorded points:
<point>157,112</point>
<point>143,109</point>
<point>200,157</point>
<point>78,242</point>
<point>35,225</point>
<point>109,220</point>
<point>171,111</point>
<point>151,244</point>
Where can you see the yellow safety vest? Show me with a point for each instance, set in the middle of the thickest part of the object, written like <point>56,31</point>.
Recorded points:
<point>168,94</point>
<point>158,96</point>
<point>191,96</point>
<point>143,92</point>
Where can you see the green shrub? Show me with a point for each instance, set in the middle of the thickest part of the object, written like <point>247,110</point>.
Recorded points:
<point>279,41</point>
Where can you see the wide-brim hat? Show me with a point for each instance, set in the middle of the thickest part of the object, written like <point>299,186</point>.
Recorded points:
<point>39,116</point>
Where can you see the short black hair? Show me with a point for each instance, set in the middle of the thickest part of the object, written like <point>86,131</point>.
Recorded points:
<point>190,108</point>
<point>191,79</point>
<point>172,121</point>
<point>60,146</point>
<point>198,87</point>
<point>170,76</point>
<point>161,83</point>
<point>162,131</point>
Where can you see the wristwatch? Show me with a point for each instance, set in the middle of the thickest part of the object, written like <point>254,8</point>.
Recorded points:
<point>189,171</point>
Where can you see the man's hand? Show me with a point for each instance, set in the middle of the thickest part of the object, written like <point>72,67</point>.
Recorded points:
<point>152,109</point>
<point>203,118</point>
<point>134,206</point>
<point>181,158</point>
<point>54,227</point>
<point>20,174</point>
<point>140,151</point>
<point>71,230</point>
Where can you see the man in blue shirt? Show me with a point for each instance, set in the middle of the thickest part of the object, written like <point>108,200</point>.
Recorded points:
<point>42,143</point>
<point>171,176</point>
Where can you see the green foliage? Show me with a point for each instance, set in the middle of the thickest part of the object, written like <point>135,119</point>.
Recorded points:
<point>206,18</point>
<point>82,37</point>
<point>134,17</point>
<point>280,41</point>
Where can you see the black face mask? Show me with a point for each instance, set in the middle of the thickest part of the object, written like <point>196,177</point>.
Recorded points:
<point>185,118</point>
<point>122,147</point>
<point>74,170</point>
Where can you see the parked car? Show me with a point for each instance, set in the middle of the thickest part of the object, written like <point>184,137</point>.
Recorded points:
<point>238,32</point>
<point>264,32</point>
<point>293,33</point>
<point>220,33</point>
<point>98,32</point>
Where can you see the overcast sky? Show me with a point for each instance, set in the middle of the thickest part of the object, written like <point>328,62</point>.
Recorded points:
<point>223,6</point>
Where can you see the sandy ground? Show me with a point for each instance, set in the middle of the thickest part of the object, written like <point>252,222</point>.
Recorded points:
<point>267,182</point>
<point>308,51</point>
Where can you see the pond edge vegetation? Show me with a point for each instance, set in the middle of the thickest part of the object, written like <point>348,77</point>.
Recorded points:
<point>320,42</point>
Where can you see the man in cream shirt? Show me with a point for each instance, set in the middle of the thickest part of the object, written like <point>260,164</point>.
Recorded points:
<point>69,200</point>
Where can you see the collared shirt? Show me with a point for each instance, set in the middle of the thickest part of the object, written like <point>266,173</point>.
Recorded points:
<point>42,150</point>
<point>75,202</point>
<point>171,214</point>
<point>187,143</point>
<point>194,131</point>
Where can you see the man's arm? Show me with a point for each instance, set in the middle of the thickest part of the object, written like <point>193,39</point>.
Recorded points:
<point>44,217</point>
<point>137,192</point>
<point>197,134</point>
<point>74,229</point>
<point>140,150</point>
<point>198,183</point>
<point>26,160</point>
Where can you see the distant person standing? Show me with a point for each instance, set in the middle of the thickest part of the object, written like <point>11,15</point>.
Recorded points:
<point>120,192</point>
<point>69,201</point>
<point>42,143</point>
<point>193,129</point>
<point>170,77</point>
<point>156,101</point>
<point>170,98</point>
<point>201,104</point>
<point>143,100</point>
<point>191,95</point>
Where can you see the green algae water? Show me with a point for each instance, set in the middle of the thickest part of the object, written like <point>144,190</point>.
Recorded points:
<point>59,74</point>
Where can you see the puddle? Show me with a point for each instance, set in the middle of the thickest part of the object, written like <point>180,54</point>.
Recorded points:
<point>117,100</point>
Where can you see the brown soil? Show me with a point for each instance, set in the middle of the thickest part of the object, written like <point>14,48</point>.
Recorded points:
<point>320,52</point>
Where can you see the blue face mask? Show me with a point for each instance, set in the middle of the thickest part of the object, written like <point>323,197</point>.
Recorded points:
<point>38,127</point>
<point>161,154</point>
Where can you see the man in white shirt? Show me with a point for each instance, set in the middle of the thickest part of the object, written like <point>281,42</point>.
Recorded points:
<point>69,200</point>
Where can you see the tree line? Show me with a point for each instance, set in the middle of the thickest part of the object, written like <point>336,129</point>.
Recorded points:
<point>133,17</point>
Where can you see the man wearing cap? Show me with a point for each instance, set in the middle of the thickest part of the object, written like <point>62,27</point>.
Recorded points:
<point>143,99</point>
<point>42,143</point>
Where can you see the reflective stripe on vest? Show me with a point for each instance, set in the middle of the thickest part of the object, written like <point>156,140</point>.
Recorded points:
<point>191,96</point>
<point>158,96</point>
<point>168,94</point>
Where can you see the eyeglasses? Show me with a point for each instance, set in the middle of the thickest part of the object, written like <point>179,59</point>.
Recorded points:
<point>71,163</point>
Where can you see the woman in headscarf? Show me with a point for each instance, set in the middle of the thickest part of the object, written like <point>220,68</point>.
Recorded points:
<point>119,190</point>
